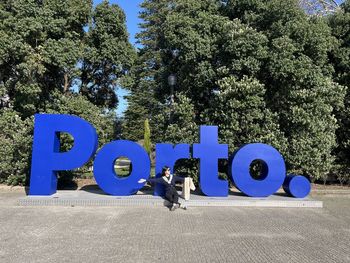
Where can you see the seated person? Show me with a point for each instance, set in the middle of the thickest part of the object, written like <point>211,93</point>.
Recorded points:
<point>168,180</point>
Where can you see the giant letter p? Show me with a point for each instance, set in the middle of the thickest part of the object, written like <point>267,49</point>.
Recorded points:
<point>47,159</point>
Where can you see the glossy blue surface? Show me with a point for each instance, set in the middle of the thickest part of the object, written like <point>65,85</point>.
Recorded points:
<point>209,151</point>
<point>47,159</point>
<point>274,171</point>
<point>168,154</point>
<point>105,174</point>
<point>297,186</point>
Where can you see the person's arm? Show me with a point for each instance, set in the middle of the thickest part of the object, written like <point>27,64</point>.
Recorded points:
<point>151,180</point>
<point>179,179</point>
<point>155,180</point>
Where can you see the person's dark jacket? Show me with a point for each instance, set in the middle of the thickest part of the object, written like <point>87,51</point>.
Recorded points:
<point>161,180</point>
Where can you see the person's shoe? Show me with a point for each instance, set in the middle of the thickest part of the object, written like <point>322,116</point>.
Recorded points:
<point>173,207</point>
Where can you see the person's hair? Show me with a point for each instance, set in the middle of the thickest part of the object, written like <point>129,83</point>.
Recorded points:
<point>164,169</point>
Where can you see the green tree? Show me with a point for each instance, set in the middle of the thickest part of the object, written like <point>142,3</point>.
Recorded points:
<point>240,111</point>
<point>78,105</point>
<point>143,102</point>
<point>298,80</point>
<point>49,50</point>
<point>179,38</point>
<point>45,48</point>
<point>147,138</point>
<point>340,58</point>
<point>40,47</point>
<point>272,47</point>
<point>139,108</point>
<point>15,150</point>
<point>107,55</point>
<point>194,30</point>
<point>182,129</point>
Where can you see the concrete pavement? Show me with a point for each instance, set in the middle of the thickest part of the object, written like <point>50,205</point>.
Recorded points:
<point>153,234</point>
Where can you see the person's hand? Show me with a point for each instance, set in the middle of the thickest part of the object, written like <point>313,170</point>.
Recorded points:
<point>141,181</point>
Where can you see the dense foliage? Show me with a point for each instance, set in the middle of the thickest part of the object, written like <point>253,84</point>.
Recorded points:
<point>340,58</point>
<point>266,71</point>
<point>262,70</point>
<point>147,138</point>
<point>15,150</point>
<point>57,56</point>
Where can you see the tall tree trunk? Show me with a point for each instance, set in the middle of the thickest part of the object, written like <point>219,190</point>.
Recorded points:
<point>66,83</point>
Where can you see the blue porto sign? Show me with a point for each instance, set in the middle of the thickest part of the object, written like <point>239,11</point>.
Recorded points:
<point>47,160</point>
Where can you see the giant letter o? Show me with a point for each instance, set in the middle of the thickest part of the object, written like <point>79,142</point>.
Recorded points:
<point>273,174</point>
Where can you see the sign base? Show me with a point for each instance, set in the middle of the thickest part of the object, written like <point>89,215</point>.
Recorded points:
<point>99,198</point>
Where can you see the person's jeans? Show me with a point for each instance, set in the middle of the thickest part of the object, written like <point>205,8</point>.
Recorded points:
<point>172,196</point>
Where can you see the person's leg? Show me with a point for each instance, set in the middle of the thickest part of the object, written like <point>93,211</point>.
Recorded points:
<point>176,197</point>
<point>169,197</point>
<point>173,198</point>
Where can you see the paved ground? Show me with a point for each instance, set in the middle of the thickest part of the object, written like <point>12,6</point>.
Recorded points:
<point>129,234</point>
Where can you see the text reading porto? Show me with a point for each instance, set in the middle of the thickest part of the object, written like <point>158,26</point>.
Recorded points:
<point>47,160</point>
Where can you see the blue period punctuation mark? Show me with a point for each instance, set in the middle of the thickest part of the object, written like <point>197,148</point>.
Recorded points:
<point>297,186</point>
